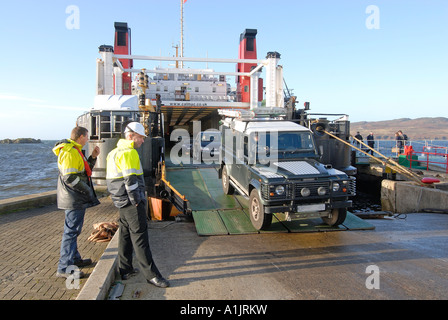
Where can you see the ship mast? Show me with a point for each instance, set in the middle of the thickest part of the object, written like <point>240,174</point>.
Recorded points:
<point>182,31</point>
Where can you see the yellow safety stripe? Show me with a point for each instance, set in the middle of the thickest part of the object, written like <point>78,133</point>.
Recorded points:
<point>123,162</point>
<point>75,182</point>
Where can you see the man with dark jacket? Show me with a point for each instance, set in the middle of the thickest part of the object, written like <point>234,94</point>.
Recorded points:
<point>125,182</point>
<point>75,194</point>
<point>371,141</point>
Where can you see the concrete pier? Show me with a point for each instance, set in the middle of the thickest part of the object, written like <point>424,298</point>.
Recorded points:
<point>407,197</point>
<point>401,196</point>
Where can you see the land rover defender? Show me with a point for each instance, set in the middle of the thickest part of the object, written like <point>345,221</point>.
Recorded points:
<point>275,165</point>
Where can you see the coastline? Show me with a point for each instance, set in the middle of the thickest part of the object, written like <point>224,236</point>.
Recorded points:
<point>20,140</point>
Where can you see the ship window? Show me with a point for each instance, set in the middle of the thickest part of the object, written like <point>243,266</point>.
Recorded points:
<point>250,44</point>
<point>214,89</point>
<point>196,89</point>
<point>165,88</point>
<point>121,38</point>
<point>246,88</point>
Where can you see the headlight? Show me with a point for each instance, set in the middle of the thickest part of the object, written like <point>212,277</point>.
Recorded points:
<point>305,192</point>
<point>321,191</point>
<point>279,190</point>
<point>335,186</point>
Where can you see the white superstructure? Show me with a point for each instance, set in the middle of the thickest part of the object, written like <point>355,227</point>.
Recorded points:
<point>197,85</point>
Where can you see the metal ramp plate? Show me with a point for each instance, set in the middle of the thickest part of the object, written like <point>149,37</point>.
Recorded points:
<point>209,223</point>
<point>275,227</point>
<point>306,225</point>
<point>215,213</point>
<point>232,222</point>
<point>202,188</point>
<point>353,222</point>
<point>237,222</point>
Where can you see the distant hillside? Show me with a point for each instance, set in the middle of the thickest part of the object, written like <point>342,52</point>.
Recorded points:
<point>415,129</point>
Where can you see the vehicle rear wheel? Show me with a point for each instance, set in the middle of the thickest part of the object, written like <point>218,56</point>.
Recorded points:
<point>260,220</point>
<point>337,217</point>
<point>226,186</point>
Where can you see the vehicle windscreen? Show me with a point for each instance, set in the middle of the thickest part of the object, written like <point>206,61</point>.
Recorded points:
<point>285,145</point>
<point>208,137</point>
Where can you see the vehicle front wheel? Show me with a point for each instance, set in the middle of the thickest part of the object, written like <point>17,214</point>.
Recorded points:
<point>260,220</point>
<point>337,217</point>
<point>226,186</point>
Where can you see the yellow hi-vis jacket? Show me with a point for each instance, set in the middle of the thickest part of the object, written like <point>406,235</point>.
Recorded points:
<point>124,175</point>
<point>75,189</point>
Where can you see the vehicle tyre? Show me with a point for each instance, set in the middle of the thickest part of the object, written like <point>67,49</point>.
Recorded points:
<point>260,220</point>
<point>226,186</point>
<point>337,217</point>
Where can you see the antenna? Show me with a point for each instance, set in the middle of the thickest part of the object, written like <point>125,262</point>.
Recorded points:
<point>182,31</point>
<point>177,49</point>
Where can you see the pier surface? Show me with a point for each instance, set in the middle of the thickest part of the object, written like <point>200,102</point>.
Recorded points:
<point>30,241</point>
<point>409,254</point>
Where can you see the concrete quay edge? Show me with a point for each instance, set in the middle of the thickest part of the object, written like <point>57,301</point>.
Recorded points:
<point>103,275</point>
<point>27,202</point>
<point>38,200</point>
<point>406,197</point>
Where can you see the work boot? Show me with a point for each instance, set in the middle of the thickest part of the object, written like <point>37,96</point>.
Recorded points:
<point>160,282</point>
<point>83,262</point>
<point>77,275</point>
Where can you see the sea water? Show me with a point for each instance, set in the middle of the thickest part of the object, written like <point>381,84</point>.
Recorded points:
<point>27,168</point>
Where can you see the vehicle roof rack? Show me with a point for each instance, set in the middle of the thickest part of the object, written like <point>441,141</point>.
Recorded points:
<point>260,113</point>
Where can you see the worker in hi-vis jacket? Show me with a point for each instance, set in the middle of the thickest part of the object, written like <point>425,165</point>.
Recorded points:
<point>75,194</point>
<point>125,182</point>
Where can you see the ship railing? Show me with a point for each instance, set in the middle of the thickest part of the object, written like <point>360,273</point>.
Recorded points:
<point>433,154</point>
<point>108,123</point>
<point>432,158</point>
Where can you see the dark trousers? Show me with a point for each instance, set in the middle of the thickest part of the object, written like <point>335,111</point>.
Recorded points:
<point>74,219</point>
<point>134,235</point>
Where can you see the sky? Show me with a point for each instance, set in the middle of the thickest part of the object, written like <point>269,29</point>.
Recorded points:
<point>371,59</point>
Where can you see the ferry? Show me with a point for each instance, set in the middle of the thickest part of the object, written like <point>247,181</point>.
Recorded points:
<point>165,99</point>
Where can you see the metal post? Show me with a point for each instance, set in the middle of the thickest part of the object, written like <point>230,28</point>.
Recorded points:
<point>254,90</point>
<point>271,79</point>
<point>99,76</point>
<point>181,32</point>
<point>118,75</point>
<point>108,72</point>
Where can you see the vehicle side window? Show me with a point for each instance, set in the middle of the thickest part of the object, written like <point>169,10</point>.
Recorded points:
<point>239,152</point>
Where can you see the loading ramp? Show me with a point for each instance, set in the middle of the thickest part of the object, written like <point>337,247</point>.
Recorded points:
<point>215,213</point>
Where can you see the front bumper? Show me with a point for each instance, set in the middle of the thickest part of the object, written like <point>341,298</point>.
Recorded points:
<point>296,207</point>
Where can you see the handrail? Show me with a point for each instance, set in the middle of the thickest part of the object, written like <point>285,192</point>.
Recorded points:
<point>411,151</point>
<point>386,145</point>
<point>387,160</point>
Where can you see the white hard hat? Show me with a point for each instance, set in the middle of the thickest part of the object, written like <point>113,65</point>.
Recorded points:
<point>136,127</point>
